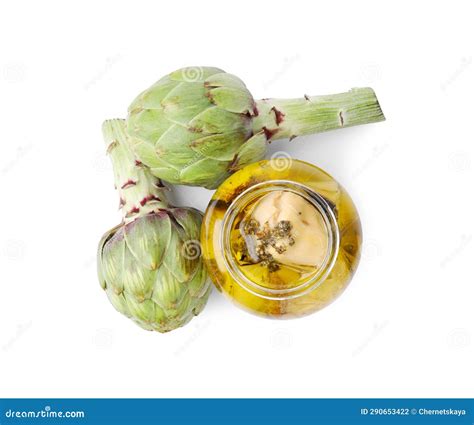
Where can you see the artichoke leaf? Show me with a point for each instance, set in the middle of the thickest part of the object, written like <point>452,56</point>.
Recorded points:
<point>173,145</point>
<point>137,279</point>
<point>143,311</point>
<point>168,292</point>
<point>112,262</point>
<point>252,150</point>
<point>151,98</point>
<point>221,147</point>
<point>201,302</point>
<point>190,220</point>
<point>199,284</point>
<point>223,79</point>
<point>147,153</point>
<point>100,261</point>
<point>148,238</point>
<point>232,99</point>
<point>204,172</point>
<point>180,258</point>
<point>184,102</point>
<point>147,124</point>
<point>118,301</point>
<point>169,174</point>
<point>217,120</point>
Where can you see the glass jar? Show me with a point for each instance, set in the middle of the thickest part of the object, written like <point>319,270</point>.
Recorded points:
<point>281,238</point>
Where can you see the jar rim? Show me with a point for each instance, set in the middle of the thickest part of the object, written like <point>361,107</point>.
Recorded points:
<point>330,221</point>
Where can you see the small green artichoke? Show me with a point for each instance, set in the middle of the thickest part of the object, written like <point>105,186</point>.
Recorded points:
<point>151,273</point>
<point>198,125</point>
<point>150,265</point>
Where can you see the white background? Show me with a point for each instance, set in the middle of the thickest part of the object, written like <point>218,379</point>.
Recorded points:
<point>405,325</point>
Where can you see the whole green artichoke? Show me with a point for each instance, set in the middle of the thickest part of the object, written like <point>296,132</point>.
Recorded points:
<point>150,264</point>
<point>198,125</point>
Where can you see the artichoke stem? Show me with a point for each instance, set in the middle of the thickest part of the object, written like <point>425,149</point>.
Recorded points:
<point>140,192</point>
<point>289,118</point>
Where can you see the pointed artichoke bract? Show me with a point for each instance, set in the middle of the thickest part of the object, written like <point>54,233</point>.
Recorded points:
<point>198,125</point>
<point>150,265</point>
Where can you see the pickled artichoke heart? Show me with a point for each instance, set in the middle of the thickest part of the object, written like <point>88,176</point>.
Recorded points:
<point>197,125</point>
<point>306,240</point>
<point>150,265</point>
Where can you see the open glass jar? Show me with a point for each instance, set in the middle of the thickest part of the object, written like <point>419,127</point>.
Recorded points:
<point>281,238</point>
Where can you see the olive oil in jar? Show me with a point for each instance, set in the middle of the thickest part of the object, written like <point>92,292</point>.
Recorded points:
<point>281,242</point>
